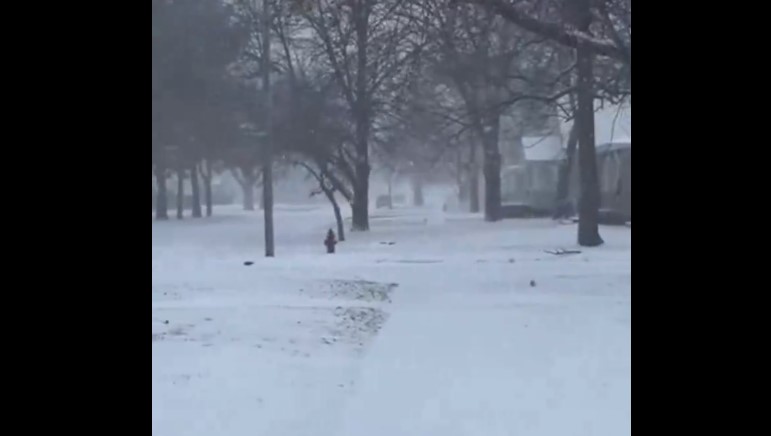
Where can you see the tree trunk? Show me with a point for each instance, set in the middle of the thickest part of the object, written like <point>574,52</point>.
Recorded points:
<point>161,198</point>
<point>463,189</point>
<point>561,209</point>
<point>391,190</point>
<point>207,188</point>
<point>338,215</point>
<point>247,179</point>
<point>360,206</point>
<point>460,169</point>
<point>589,204</point>
<point>417,190</point>
<point>180,194</point>
<point>492,169</point>
<point>473,187</point>
<point>473,182</point>
<point>362,113</point>
<point>492,173</point>
<point>196,187</point>
<point>248,196</point>
<point>248,192</point>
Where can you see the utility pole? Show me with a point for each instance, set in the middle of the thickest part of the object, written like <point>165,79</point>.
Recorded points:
<point>267,166</point>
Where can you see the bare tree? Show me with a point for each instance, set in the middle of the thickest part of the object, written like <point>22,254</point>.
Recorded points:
<point>415,136</point>
<point>249,178</point>
<point>589,204</point>
<point>193,44</point>
<point>318,143</point>
<point>327,187</point>
<point>160,173</point>
<point>180,192</point>
<point>369,47</point>
<point>593,28</point>
<point>480,54</point>
<point>610,35</point>
<point>307,120</point>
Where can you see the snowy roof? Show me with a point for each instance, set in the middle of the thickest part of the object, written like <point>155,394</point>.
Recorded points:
<point>551,148</point>
<point>611,124</point>
<point>619,144</point>
<point>542,148</point>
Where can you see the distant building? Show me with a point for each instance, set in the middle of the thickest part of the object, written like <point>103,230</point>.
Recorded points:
<point>615,170</point>
<point>533,183</point>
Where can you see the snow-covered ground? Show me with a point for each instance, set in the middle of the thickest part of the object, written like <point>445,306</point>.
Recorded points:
<point>430,324</point>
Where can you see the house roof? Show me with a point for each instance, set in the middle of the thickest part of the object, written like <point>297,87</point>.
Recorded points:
<point>551,148</point>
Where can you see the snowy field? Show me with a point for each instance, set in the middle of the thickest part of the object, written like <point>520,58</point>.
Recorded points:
<point>430,324</point>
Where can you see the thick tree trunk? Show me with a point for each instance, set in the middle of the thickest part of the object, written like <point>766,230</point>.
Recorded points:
<point>359,218</point>
<point>180,194</point>
<point>562,203</point>
<point>417,190</point>
<point>360,206</point>
<point>362,113</point>
<point>589,204</point>
<point>196,187</point>
<point>207,188</point>
<point>492,169</point>
<point>493,187</point>
<point>475,205</point>
<point>161,197</point>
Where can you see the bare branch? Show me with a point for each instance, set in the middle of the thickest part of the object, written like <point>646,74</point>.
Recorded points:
<point>561,34</point>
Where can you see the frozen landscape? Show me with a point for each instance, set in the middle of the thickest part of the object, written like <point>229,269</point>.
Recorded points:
<point>430,324</point>
<point>428,321</point>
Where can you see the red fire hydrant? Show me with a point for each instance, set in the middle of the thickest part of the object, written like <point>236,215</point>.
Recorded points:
<point>330,241</point>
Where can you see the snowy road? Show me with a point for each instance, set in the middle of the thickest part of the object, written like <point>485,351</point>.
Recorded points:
<point>309,344</point>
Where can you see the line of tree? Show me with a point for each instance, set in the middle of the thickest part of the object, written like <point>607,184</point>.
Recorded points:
<point>410,86</point>
<point>195,101</point>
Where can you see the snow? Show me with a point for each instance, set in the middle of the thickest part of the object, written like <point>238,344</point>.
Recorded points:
<point>542,148</point>
<point>618,145</point>
<point>612,123</point>
<point>427,325</point>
